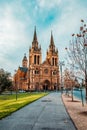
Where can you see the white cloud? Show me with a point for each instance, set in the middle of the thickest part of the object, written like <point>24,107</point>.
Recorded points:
<point>64,27</point>
<point>12,38</point>
<point>11,29</point>
<point>48,3</point>
<point>17,24</point>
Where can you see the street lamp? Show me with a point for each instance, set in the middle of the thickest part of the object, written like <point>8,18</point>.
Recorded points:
<point>57,87</point>
<point>51,78</point>
<point>61,63</point>
<point>73,84</point>
<point>16,84</point>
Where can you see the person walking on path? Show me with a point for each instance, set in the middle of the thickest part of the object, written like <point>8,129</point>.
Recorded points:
<point>47,113</point>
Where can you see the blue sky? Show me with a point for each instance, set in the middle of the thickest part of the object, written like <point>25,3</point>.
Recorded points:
<point>19,17</point>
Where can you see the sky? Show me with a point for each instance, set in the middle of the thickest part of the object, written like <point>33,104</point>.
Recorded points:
<point>18,19</point>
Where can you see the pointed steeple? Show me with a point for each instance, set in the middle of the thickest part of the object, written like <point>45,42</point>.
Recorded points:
<point>35,35</point>
<point>51,40</point>
<point>24,61</point>
<point>35,41</point>
<point>52,45</point>
<point>25,58</point>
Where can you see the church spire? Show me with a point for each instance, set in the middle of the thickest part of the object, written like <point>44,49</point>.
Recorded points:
<point>52,45</point>
<point>24,61</point>
<point>51,40</point>
<point>35,35</point>
<point>25,58</point>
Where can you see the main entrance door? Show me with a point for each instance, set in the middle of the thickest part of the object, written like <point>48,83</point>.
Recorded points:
<point>46,85</point>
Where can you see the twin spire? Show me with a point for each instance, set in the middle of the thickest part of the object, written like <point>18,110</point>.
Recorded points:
<point>51,39</point>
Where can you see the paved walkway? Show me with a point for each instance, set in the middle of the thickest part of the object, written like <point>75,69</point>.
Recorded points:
<point>47,113</point>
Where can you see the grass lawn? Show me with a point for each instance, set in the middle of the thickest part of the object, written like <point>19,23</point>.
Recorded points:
<point>8,103</point>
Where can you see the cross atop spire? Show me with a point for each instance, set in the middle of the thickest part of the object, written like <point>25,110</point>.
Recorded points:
<point>35,35</point>
<point>51,40</point>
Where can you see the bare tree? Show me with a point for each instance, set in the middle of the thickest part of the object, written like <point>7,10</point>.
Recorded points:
<point>68,80</point>
<point>77,51</point>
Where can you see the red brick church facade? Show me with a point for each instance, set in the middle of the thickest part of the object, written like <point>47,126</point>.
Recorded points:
<point>35,74</point>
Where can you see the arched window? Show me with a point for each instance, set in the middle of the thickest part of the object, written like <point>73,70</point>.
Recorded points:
<point>34,59</point>
<point>54,72</point>
<point>52,61</point>
<point>38,57</point>
<point>55,61</point>
<point>36,71</point>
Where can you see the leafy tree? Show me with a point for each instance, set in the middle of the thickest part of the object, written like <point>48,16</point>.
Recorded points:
<point>5,81</point>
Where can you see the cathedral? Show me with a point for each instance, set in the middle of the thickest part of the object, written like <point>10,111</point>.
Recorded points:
<point>35,75</point>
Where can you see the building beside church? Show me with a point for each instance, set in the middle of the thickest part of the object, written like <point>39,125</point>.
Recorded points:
<point>35,74</point>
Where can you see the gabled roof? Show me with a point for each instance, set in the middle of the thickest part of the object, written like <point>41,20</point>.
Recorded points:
<point>46,62</point>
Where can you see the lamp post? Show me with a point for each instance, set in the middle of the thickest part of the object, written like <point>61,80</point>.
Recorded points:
<point>28,78</point>
<point>61,65</point>
<point>16,80</point>
<point>73,83</point>
<point>57,81</point>
<point>51,77</point>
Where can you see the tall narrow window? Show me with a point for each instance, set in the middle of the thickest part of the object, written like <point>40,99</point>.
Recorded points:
<point>38,60</point>
<point>55,61</point>
<point>52,61</point>
<point>34,59</point>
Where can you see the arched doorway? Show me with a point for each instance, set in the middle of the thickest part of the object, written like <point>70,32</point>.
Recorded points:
<point>36,86</point>
<point>46,85</point>
<point>55,86</point>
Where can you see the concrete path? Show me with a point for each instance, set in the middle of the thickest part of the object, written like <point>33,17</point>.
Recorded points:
<point>47,113</point>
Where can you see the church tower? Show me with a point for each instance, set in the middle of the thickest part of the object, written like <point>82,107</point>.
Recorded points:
<point>35,60</point>
<point>24,61</point>
<point>52,53</point>
<point>52,58</point>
